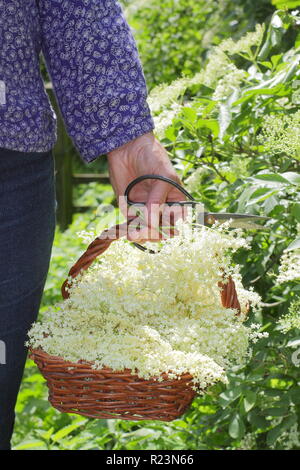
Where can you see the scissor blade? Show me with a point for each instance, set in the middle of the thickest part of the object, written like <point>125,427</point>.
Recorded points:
<point>246,224</point>
<point>246,221</point>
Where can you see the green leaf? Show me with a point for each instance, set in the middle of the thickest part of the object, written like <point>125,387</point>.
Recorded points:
<point>295,211</point>
<point>229,396</point>
<point>294,245</point>
<point>274,434</point>
<point>295,396</point>
<point>236,427</point>
<point>190,114</point>
<point>260,195</point>
<point>244,197</point>
<point>257,421</point>
<point>170,134</point>
<point>269,204</point>
<point>67,430</point>
<point>264,89</point>
<point>249,400</point>
<point>265,49</point>
<point>276,411</point>
<point>275,59</point>
<point>266,64</point>
<point>32,444</point>
<point>211,124</point>
<point>293,343</point>
<point>46,435</point>
<point>286,3</point>
<point>273,177</point>
<point>224,120</point>
<point>273,85</point>
<point>292,177</point>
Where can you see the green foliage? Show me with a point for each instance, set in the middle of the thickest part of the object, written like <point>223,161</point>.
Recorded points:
<point>218,139</point>
<point>174,36</point>
<point>286,3</point>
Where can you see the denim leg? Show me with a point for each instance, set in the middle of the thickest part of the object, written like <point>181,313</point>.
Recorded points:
<point>27,225</point>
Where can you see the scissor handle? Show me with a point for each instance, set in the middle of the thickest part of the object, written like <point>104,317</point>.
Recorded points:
<point>162,178</point>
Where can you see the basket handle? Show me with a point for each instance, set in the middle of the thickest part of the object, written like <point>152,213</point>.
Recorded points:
<point>100,244</point>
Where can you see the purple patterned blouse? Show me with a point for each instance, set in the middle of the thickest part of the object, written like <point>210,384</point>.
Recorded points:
<point>92,59</point>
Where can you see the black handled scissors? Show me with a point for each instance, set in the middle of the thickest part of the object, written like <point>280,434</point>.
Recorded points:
<point>246,221</point>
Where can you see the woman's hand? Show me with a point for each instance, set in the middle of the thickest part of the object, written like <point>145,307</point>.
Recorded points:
<point>141,156</point>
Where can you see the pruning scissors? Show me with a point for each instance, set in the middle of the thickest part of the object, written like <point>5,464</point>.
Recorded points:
<point>245,221</point>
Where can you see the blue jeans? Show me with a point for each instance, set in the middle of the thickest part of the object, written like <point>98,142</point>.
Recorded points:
<point>27,224</point>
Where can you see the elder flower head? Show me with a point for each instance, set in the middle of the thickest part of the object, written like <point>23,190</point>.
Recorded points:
<point>281,134</point>
<point>289,269</point>
<point>244,44</point>
<point>292,318</point>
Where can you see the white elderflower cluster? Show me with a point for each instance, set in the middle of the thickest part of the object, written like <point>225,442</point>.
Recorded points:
<point>229,83</point>
<point>292,319</point>
<point>86,236</point>
<point>165,94</point>
<point>244,44</point>
<point>218,66</point>
<point>155,313</point>
<point>289,269</point>
<point>165,118</point>
<point>281,134</point>
<point>255,335</point>
<point>248,442</point>
<point>290,439</point>
<point>193,182</point>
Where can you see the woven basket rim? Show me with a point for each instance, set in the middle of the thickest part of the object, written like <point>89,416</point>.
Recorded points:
<point>43,355</point>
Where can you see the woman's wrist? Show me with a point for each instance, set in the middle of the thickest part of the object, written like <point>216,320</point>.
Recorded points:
<point>133,145</point>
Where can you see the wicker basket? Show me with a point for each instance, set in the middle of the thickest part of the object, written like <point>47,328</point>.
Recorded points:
<point>78,388</point>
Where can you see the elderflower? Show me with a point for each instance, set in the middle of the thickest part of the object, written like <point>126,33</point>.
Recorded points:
<point>289,269</point>
<point>218,66</point>
<point>281,134</point>
<point>155,313</point>
<point>165,94</point>
<point>193,182</point>
<point>87,236</point>
<point>248,442</point>
<point>165,118</point>
<point>292,318</point>
<point>229,83</point>
<point>289,439</point>
<point>244,44</point>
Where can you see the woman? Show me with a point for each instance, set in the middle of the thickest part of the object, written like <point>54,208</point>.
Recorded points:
<point>100,88</point>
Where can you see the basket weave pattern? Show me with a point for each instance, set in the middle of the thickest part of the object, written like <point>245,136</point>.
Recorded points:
<point>78,388</point>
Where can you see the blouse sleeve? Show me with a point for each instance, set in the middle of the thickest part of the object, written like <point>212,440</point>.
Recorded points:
<point>97,76</point>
